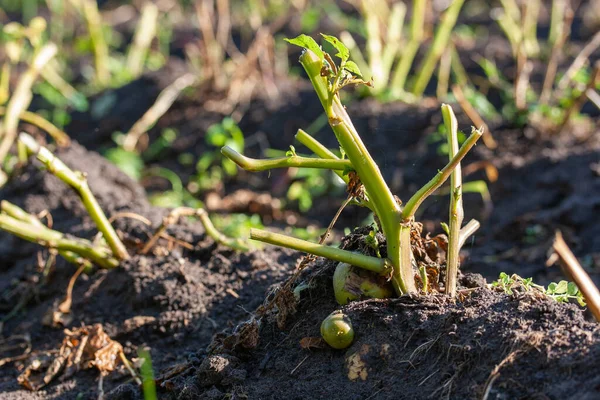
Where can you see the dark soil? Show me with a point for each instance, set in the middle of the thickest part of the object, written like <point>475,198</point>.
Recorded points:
<point>175,300</point>
<point>173,303</point>
<point>516,347</point>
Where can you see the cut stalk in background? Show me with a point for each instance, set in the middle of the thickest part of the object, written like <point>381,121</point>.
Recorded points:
<point>417,32</point>
<point>21,98</point>
<point>202,215</point>
<point>440,42</point>
<point>145,32</point>
<point>456,204</point>
<point>93,19</point>
<point>61,138</point>
<point>78,182</point>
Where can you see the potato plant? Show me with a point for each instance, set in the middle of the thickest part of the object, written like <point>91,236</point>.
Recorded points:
<point>356,167</point>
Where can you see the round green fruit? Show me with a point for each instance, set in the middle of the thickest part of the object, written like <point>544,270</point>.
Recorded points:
<point>337,330</point>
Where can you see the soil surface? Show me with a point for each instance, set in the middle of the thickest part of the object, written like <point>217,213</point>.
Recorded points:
<point>194,308</point>
<point>171,301</point>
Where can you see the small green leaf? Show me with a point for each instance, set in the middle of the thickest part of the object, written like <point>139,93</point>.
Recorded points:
<point>562,287</point>
<point>343,52</point>
<point>291,152</point>
<point>445,227</point>
<point>572,289</point>
<point>551,288</point>
<point>306,42</point>
<point>353,68</point>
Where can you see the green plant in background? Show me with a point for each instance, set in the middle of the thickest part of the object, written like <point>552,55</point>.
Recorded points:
<point>562,96</point>
<point>390,55</point>
<point>561,292</point>
<point>365,183</point>
<point>211,168</point>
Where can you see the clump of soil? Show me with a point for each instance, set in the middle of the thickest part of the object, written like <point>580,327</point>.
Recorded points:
<point>486,345</point>
<point>170,301</point>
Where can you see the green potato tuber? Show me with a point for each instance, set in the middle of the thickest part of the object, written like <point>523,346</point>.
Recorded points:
<point>337,330</point>
<point>352,283</point>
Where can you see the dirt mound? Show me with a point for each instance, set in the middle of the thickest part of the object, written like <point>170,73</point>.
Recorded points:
<point>410,348</point>
<point>170,302</point>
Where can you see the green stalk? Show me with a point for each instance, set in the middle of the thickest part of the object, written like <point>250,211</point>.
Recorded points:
<point>78,182</point>
<point>61,138</point>
<point>440,42</point>
<point>316,147</point>
<point>252,164</point>
<point>532,11</point>
<point>202,215</point>
<point>380,196</point>
<point>94,25</point>
<point>466,231</point>
<point>18,213</point>
<point>557,16</point>
<point>456,206</point>
<point>417,32</point>
<point>57,240</point>
<point>393,38</point>
<point>375,264</point>
<point>511,29</point>
<point>145,32</point>
<point>21,98</point>
<point>415,201</point>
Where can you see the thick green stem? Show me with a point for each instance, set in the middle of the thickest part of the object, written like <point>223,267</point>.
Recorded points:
<point>415,201</point>
<point>374,264</point>
<point>252,164</point>
<point>57,240</point>
<point>456,206</point>
<point>78,182</point>
<point>440,42</point>
<point>383,201</point>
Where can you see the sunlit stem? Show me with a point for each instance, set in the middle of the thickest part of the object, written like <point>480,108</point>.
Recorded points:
<point>202,215</point>
<point>316,147</point>
<point>18,213</point>
<point>57,240</point>
<point>78,182</point>
<point>417,32</point>
<point>383,202</point>
<point>374,264</point>
<point>21,98</point>
<point>417,199</point>
<point>456,204</point>
<point>467,231</point>
<point>440,43</point>
<point>61,138</point>
<point>252,164</point>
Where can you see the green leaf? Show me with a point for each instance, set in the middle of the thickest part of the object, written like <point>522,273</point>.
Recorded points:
<point>562,287</point>
<point>572,289</point>
<point>353,68</point>
<point>343,52</point>
<point>551,288</point>
<point>306,42</point>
